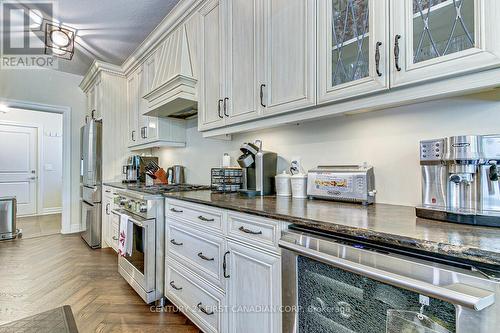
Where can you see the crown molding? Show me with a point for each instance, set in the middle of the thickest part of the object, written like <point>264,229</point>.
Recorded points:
<point>177,15</point>
<point>95,69</point>
<point>174,18</point>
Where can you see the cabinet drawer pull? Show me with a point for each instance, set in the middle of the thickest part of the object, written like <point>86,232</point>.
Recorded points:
<point>133,135</point>
<point>262,86</point>
<point>172,284</point>
<point>176,210</point>
<point>115,238</point>
<point>377,58</point>
<point>225,106</point>
<point>107,209</point>
<point>175,243</point>
<point>205,258</point>
<point>396,52</point>
<point>202,309</point>
<point>224,266</point>
<point>219,108</point>
<point>203,218</point>
<point>248,231</point>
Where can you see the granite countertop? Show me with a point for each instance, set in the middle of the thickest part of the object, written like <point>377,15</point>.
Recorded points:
<point>388,224</point>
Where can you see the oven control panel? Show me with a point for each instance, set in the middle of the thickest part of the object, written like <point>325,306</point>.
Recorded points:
<point>432,150</point>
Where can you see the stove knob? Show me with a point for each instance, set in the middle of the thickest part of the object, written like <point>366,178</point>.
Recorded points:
<point>143,208</point>
<point>123,201</point>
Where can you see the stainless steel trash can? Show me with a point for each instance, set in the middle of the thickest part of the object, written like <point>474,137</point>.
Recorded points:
<point>8,218</point>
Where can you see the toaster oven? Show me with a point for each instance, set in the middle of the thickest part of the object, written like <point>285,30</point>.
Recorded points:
<point>351,183</point>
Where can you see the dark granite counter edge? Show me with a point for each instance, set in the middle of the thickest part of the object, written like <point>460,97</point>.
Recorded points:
<point>466,253</point>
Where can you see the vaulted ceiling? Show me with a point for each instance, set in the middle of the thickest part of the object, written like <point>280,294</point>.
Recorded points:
<point>109,30</point>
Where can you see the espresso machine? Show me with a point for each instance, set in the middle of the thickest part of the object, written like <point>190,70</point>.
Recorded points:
<point>460,181</point>
<point>259,169</point>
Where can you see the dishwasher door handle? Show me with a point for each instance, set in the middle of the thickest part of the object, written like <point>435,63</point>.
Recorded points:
<point>459,294</point>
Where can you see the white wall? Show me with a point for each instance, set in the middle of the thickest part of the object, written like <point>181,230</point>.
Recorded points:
<point>54,88</point>
<point>50,154</point>
<point>386,139</point>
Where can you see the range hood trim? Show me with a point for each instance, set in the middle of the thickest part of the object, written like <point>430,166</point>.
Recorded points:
<point>180,89</point>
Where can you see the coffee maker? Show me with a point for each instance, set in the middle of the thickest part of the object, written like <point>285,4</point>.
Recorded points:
<point>259,169</point>
<point>460,179</point>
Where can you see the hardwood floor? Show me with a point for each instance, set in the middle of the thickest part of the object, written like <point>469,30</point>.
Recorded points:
<point>36,226</point>
<point>43,273</point>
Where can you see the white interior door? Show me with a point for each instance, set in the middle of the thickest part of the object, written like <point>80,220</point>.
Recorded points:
<point>18,167</point>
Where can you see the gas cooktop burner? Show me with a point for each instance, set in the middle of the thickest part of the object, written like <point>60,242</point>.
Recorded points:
<point>160,189</point>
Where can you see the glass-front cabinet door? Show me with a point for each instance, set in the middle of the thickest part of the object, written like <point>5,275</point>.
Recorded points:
<point>353,44</point>
<point>438,38</point>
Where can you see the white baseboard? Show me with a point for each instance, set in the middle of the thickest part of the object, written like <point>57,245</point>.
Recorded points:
<point>50,211</point>
<point>74,228</point>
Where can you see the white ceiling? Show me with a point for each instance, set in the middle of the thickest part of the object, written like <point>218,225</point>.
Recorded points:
<point>109,30</point>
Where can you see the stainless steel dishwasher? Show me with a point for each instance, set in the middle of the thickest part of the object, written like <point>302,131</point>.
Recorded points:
<point>333,285</point>
<point>8,218</point>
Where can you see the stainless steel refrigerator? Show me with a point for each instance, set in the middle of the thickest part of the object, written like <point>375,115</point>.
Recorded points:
<point>91,182</point>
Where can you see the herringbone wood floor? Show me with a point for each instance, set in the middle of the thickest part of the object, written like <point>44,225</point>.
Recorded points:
<point>43,273</point>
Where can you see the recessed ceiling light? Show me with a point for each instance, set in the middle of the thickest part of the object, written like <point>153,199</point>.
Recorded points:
<point>59,38</point>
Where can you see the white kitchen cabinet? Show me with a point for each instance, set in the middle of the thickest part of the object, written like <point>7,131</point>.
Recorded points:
<point>109,232</point>
<point>243,26</point>
<point>353,46</point>
<point>290,55</point>
<point>148,131</point>
<point>133,109</point>
<point>254,284</point>
<point>448,38</point>
<point>106,92</point>
<point>212,83</point>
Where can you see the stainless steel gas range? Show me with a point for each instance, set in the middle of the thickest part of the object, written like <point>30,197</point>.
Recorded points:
<point>144,206</point>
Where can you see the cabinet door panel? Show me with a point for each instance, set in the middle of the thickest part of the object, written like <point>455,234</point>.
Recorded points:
<point>254,283</point>
<point>353,44</point>
<point>441,38</point>
<point>242,58</point>
<point>290,46</point>
<point>133,110</point>
<point>211,78</point>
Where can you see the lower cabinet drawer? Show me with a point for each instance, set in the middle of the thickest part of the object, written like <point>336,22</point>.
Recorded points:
<point>198,301</point>
<point>261,232</point>
<point>201,252</point>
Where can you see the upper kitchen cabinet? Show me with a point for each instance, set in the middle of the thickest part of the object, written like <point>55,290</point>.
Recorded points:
<point>290,55</point>
<point>212,83</point>
<point>106,90</point>
<point>353,44</point>
<point>258,59</point>
<point>149,131</point>
<point>173,73</point>
<point>243,27</point>
<point>433,39</point>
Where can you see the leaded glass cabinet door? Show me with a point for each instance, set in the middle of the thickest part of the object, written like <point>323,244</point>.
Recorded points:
<point>353,45</point>
<point>434,39</point>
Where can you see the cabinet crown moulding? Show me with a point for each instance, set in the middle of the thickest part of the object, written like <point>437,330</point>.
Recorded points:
<point>96,68</point>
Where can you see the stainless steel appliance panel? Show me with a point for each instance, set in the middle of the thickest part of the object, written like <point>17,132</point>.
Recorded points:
<point>92,194</point>
<point>91,154</point>
<point>91,219</point>
<point>337,287</point>
<point>141,265</point>
<point>8,206</point>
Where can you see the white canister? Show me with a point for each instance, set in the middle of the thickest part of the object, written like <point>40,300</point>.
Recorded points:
<point>299,186</point>
<point>283,185</point>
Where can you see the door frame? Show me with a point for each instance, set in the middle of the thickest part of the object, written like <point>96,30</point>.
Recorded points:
<point>66,226</point>
<point>39,159</point>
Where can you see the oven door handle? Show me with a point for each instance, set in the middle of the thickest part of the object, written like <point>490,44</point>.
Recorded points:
<point>140,224</point>
<point>457,293</point>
